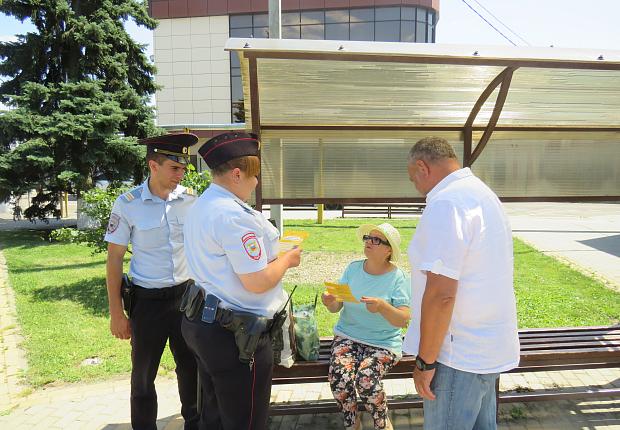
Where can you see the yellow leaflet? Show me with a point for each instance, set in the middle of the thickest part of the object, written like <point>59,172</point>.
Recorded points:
<point>292,238</point>
<point>341,291</point>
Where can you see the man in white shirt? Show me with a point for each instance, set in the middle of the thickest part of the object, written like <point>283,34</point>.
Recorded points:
<point>463,328</point>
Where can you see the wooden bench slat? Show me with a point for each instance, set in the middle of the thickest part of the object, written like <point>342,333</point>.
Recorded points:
<point>570,345</point>
<point>562,330</point>
<point>563,339</point>
<point>542,334</point>
<point>542,349</point>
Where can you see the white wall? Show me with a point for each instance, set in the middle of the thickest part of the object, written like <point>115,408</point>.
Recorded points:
<point>193,70</point>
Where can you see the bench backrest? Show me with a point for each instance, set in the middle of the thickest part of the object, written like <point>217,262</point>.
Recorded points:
<point>541,350</point>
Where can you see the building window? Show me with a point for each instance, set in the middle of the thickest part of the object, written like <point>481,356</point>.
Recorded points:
<point>384,24</point>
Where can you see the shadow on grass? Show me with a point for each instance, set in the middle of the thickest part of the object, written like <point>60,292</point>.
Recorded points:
<point>526,251</point>
<point>23,239</point>
<point>90,293</point>
<point>63,267</point>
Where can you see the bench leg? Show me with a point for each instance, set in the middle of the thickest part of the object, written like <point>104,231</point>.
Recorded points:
<point>497,399</point>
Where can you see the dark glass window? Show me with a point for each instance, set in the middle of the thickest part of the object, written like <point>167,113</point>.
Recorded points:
<point>387,14</point>
<point>291,32</point>
<point>237,21</point>
<point>362,31</point>
<point>407,13</point>
<point>261,32</point>
<point>337,16</point>
<point>385,24</point>
<point>337,31</point>
<point>241,32</point>
<point>316,32</point>
<point>236,88</point>
<point>431,17</point>
<point>420,32</point>
<point>407,31</point>
<point>313,17</point>
<point>261,20</point>
<point>421,14</point>
<point>362,15</point>
<point>290,18</point>
<point>234,61</point>
<point>387,31</point>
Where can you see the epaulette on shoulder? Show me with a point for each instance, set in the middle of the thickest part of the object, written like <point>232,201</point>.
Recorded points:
<point>133,194</point>
<point>190,192</point>
<point>245,208</point>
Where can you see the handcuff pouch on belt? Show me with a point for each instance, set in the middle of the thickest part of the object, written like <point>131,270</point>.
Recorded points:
<point>127,294</point>
<point>192,301</point>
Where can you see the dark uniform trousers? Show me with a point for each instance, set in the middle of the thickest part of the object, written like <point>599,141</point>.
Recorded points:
<point>156,318</point>
<point>235,397</point>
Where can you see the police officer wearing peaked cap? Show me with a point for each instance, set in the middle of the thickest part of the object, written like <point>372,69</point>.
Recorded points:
<point>151,217</point>
<point>232,254</point>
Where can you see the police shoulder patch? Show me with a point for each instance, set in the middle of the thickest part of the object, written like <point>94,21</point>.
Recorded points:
<point>251,246</point>
<point>113,223</point>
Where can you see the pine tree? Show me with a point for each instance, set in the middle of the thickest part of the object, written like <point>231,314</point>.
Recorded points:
<point>78,90</point>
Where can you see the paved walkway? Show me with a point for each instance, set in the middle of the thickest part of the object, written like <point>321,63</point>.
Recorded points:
<point>584,234</point>
<point>571,232</point>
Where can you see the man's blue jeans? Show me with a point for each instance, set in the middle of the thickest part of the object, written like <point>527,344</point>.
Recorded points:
<point>464,401</point>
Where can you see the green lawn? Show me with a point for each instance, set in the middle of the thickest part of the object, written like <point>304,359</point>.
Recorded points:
<point>62,302</point>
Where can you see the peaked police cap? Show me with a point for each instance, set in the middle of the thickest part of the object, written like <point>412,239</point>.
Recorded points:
<point>175,146</point>
<point>227,146</point>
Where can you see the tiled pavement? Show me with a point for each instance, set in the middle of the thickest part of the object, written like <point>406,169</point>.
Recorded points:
<point>105,405</point>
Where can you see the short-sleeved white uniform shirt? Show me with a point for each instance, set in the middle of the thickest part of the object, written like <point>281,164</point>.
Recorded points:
<point>155,229</point>
<point>225,238</point>
<point>464,234</point>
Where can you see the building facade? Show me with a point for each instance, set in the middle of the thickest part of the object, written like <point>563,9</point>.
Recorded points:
<point>201,83</point>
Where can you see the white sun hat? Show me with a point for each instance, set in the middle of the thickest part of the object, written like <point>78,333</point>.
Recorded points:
<point>391,234</point>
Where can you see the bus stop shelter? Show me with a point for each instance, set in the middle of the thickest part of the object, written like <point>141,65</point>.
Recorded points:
<point>337,118</point>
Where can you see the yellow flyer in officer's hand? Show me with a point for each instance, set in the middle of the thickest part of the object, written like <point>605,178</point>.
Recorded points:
<point>291,239</point>
<point>341,291</point>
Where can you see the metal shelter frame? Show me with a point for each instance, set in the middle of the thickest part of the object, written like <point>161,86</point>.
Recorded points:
<point>254,50</point>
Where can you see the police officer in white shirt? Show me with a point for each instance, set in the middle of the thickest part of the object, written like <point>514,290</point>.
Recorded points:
<point>151,217</point>
<point>463,327</point>
<point>232,254</point>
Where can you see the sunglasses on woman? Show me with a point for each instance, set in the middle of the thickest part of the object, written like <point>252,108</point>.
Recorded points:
<point>375,240</point>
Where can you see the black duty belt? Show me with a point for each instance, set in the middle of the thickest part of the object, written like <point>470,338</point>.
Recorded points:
<point>160,293</point>
<point>222,316</point>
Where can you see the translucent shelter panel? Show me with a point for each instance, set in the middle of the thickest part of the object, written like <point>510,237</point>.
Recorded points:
<point>561,97</point>
<point>343,165</point>
<point>543,164</point>
<point>245,76</point>
<point>325,92</point>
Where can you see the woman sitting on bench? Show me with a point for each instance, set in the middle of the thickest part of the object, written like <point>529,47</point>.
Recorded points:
<point>367,338</point>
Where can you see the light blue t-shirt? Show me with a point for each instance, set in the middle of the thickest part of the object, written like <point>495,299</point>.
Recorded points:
<point>357,323</point>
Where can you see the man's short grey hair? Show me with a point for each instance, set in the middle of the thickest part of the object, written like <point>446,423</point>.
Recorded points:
<point>431,149</point>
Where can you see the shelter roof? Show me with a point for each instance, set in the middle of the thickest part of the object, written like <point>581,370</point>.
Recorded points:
<point>348,84</point>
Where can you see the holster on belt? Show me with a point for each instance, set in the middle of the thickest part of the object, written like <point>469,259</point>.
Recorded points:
<point>248,329</point>
<point>192,300</point>
<point>127,294</point>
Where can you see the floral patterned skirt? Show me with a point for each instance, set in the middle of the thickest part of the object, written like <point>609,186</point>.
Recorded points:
<point>356,370</point>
